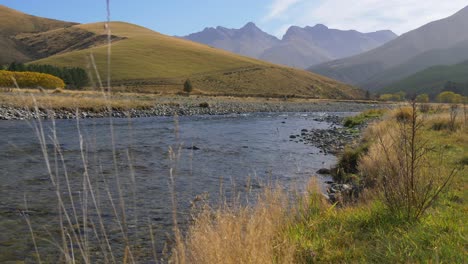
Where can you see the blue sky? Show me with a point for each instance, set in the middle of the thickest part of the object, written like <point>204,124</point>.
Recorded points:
<point>181,17</point>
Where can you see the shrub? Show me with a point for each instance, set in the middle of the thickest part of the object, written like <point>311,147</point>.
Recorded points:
<point>425,108</point>
<point>400,96</point>
<point>386,97</point>
<point>204,105</point>
<point>422,98</point>
<point>29,80</point>
<point>409,181</point>
<point>188,88</point>
<point>444,121</point>
<point>403,114</point>
<point>440,125</point>
<point>453,117</point>
<point>449,97</point>
<point>348,163</point>
<point>463,161</point>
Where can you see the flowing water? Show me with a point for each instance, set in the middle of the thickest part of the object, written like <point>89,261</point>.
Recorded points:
<point>216,156</point>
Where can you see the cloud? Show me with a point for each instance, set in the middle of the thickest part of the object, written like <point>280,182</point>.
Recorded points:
<point>370,15</point>
<point>279,7</point>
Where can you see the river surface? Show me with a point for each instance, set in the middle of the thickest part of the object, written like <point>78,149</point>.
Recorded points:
<point>127,172</point>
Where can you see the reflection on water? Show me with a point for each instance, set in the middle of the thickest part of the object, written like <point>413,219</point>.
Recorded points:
<point>211,154</point>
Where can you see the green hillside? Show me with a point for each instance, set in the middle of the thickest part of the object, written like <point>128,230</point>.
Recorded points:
<point>454,55</point>
<point>144,58</point>
<point>431,80</point>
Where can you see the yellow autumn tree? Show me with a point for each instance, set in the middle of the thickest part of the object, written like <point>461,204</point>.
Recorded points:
<point>30,80</point>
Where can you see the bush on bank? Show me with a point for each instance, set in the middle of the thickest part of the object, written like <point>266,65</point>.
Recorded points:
<point>29,80</point>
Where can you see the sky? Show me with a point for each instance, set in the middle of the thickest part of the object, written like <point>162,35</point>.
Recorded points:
<point>182,17</point>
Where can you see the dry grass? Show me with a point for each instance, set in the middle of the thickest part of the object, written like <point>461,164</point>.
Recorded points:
<point>443,121</point>
<point>239,235</point>
<point>248,234</point>
<point>67,100</point>
<point>89,100</point>
<point>371,163</point>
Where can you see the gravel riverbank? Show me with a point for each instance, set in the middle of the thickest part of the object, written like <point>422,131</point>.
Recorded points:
<point>191,108</point>
<point>331,140</point>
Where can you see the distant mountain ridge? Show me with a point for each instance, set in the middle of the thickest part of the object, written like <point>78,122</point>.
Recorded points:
<point>442,42</point>
<point>299,47</point>
<point>251,41</point>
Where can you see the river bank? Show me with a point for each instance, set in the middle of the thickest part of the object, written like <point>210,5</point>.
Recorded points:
<point>309,229</point>
<point>187,107</point>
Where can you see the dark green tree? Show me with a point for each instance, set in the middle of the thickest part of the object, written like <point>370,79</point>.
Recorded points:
<point>188,88</point>
<point>15,66</point>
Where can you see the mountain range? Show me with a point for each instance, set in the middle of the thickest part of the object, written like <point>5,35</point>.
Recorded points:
<point>442,42</point>
<point>147,61</point>
<point>299,47</point>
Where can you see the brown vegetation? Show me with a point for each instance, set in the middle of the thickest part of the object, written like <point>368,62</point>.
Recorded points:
<point>71,100</point>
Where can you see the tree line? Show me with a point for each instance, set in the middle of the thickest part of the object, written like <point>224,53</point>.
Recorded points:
<point>443,97</point>
<point>452,92</point>
<point>456,87</point>
<point>74,78</point>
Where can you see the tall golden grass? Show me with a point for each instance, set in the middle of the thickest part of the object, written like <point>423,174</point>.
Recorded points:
<point>257,233</point>
<point>63,100</point>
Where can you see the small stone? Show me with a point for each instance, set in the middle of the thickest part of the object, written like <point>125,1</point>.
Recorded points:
<point>323,171</point>
<point>193,148</point>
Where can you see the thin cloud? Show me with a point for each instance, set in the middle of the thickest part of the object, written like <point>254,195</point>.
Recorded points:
<point>371,15</point>
<point>279,7</point>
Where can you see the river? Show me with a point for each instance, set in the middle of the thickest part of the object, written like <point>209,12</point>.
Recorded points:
<point>129,166</point>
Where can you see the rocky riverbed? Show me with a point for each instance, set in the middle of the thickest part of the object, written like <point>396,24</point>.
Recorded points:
<point>211,107</point>
<point>331,140</point>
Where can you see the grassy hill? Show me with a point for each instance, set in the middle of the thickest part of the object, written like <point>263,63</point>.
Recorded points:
<point>431,80</point>
<point>12,23</point>
<point>146,60</point>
